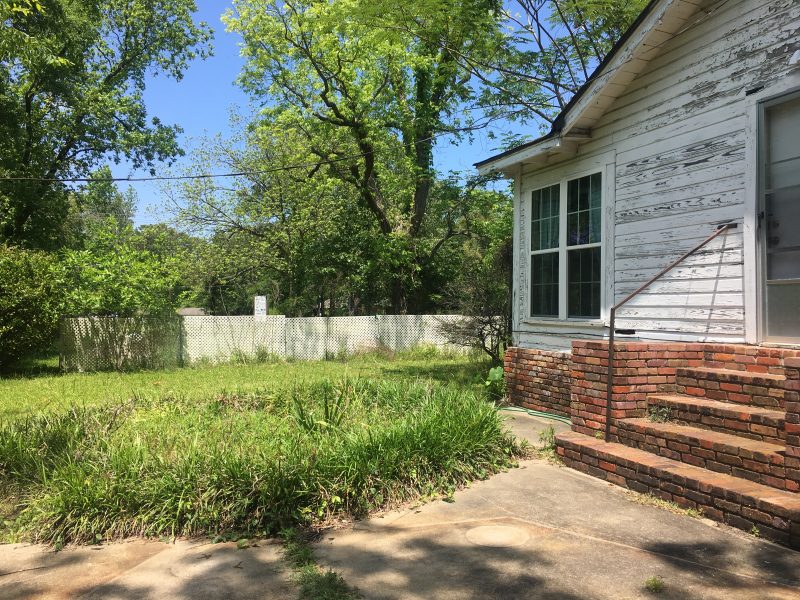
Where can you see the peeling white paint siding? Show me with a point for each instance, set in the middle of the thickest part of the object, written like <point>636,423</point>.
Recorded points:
<point>682,141</point>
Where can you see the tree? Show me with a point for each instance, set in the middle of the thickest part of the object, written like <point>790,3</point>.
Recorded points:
<point>101,199</point>
<point>277,230</point>
<point>553,46</point>
<point>481,290</point>
<point>112,277</point>
<point>30,302</point>
<point>72,76</point>
<point>370,95</point>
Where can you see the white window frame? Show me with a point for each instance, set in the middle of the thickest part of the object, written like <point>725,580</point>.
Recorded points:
<point>606,167</point>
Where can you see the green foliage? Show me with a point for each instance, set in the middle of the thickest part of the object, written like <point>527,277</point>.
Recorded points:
<point>481,291</point>
<point>547,445</point>
<point>23,394</point>
<point>114,277</point>
<point>171,466</point>
<point>100,203</point>
<point>659,414</point>
<point>30,302</point>
<point>495,384</point>
<point>360,94</point>
<point>72,77</point>
<point>368,87</point>
<point>295,237</point>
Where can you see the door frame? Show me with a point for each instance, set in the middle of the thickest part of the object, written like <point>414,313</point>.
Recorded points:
<point>753,254</point>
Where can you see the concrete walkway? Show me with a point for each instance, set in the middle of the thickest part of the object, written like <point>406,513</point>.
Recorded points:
<point>141,570</point>
<point>540,531</point>
<point>543,531</point>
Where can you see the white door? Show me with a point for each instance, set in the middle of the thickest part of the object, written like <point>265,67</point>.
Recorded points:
<point>779,219</point>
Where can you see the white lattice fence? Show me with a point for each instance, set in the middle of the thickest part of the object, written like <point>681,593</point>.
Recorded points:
<point>110,343</point>
<point>223,338</point>
<point>120,343</point>
<point>306,339</point>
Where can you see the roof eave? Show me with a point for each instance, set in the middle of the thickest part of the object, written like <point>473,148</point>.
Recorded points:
<point>538,152</point>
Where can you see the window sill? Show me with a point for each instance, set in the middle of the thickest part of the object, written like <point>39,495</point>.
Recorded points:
<point>581,323</point>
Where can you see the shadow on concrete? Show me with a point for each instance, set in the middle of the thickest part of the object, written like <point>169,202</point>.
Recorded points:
<point>138,569</point>
<point>765,563</point>
<point>398,563</point>
<point>202,572</point>
<point>24,577</point>
<point>441,566</point>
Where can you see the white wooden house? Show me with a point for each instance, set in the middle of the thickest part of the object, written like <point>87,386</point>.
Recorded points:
<point>691,122</point>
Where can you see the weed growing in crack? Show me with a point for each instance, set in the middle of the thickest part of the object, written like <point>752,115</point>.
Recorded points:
<point>659,414</point>
<point>654,584</point>
<point>315,583</point>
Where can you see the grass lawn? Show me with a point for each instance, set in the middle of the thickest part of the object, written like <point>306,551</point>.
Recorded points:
<point>39,387</point>
<point>248,448</point>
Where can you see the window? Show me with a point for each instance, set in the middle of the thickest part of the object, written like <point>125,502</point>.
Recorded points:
<point>565,249</point>
<point>545,217</point>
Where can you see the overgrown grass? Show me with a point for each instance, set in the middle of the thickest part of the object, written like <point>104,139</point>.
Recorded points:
<point>254,462</point>
<point>33,389</point>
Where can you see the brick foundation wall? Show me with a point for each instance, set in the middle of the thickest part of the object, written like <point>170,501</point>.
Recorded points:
<point>539,379</point>
<point>642,368</point>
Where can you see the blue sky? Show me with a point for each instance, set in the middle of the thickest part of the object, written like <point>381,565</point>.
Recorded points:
<point>201,104</point>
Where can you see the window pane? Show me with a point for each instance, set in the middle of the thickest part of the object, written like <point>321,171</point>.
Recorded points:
<point>544,218</point>
<point>572,196</point>
<point>584,200</point>
<point>583,283</point>
<point>544,285</point>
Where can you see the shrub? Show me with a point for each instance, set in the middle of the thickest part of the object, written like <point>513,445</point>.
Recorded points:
<point>29,302</point>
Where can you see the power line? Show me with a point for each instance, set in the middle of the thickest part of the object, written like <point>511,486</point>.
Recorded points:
<point>281,168</point>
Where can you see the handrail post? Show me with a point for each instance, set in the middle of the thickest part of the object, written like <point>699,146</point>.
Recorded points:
<point>612,315</point>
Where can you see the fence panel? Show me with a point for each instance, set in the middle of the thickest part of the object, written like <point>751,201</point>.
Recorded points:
<point>120,343</point>
<point>110,343</point>
<point>351,335</point>
<point>223,338</point>
<point>306,338</point>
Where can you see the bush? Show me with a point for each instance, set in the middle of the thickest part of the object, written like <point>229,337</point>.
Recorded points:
<point>29,302</point>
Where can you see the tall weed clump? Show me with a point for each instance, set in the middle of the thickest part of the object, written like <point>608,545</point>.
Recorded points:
<point>171,466</point>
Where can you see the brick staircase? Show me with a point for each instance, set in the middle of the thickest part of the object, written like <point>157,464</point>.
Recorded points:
<point>712,431</point>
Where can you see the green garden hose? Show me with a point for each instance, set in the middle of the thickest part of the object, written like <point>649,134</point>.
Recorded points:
<point>537,413</point>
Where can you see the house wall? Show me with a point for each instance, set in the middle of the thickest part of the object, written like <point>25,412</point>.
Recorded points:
<point>679,147</point>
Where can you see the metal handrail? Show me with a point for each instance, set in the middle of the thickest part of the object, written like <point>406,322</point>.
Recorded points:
<point>612,316</point>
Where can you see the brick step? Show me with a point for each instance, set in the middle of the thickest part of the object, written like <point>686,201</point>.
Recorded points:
<point>753,422</point>
<point>728,385</point>
<point>749,459</point>
<point>737,502</point>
